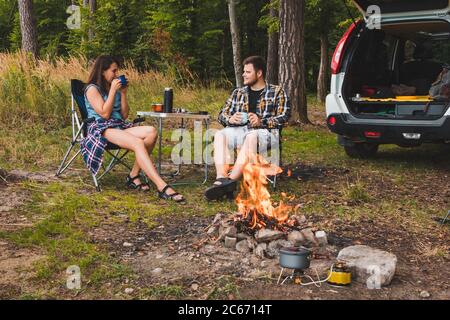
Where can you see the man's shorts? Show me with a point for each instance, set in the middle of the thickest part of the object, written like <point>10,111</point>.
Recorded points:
<point>267,140</point>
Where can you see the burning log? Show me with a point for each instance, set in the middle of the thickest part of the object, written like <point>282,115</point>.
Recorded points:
<point>255,208</point>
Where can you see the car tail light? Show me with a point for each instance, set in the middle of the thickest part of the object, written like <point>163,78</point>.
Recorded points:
<point>331,121</point>
<point>339,52</point>
<point>372,134</point>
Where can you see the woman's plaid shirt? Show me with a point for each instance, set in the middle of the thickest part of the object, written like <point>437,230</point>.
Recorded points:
<point>274,107</point>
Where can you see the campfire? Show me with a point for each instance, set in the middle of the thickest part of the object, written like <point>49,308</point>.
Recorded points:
<point>255,208</point>
<point>260,225</point>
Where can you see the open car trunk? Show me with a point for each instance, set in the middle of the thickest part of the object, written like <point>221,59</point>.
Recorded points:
<point>404,7</point>
<point>390,71</point>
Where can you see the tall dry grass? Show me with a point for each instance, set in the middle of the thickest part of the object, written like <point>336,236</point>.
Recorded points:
<point>39,91</point>
<point>35,104</point>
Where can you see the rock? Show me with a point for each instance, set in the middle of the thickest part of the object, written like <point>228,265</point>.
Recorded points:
<point>296,237</point>
<point>274,247</point>
<point>228,231</point>
<point>321,237</point>
<point>230,242</point>
<point>242,246</point>
<point>425,294</point>
<point>266,235</point>
<point>254,260</point>
<point>309,236</point>
<point>129,290</point>
<point>157,271</point>
<point>127,244</point>
<point>242,236</point>
<point>300,219</point>
<point>218,218</point>
<point>194,286</point>
<point>213,231</point>
<point>369,266</point>
<point>252,243</point>
<point>260,250</point>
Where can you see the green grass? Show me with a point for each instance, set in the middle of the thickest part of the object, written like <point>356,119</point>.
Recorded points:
<point>67,210</point>
<point>64,217</point>
<point>163,292</point>
<point>226,287</point>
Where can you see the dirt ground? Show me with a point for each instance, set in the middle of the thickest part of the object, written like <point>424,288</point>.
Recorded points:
<point>177,253</point>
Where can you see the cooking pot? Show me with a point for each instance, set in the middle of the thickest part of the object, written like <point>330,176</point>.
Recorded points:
<point>297,258</point>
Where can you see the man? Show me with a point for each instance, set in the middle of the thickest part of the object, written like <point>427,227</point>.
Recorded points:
<point>248,116</point>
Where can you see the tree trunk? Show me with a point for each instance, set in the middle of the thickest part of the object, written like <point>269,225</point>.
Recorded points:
<point>28,27</point>
<point>236,42</point>
<point>272,53</point>
<point>292,57</point>
<point>92,8</point>
<point>92,4</point>
<point>322,78</point>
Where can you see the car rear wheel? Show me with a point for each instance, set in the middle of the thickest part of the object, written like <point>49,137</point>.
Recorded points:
<point>361,150</point>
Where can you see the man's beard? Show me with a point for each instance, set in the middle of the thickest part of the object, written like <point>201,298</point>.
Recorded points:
<point>252,82</point>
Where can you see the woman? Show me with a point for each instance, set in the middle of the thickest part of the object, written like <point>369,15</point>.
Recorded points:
<point>106,101</point>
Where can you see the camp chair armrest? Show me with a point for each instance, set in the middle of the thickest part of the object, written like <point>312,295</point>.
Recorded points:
<point>138,120</point>
<point>89,120</point>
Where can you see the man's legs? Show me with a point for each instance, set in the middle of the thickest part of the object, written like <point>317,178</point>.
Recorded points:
<point>224,140</point>
<point>247,152</point>
<point>221,154</point>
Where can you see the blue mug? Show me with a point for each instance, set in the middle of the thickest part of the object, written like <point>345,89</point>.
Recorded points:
<point>123,80</point>
<point>244,116</point>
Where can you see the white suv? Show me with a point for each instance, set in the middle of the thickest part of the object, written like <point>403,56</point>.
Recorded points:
<point>381,76</point>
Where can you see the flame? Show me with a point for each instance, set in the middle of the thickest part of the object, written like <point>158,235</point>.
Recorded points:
<point>289,173</point>
<point>254,201</point>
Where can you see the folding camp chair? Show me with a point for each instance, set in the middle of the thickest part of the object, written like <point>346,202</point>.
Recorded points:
<point>277,133</point>
<point>79,131</point>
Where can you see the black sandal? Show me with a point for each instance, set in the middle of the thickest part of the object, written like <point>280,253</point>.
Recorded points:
<point>163,195</point>
<point>227,187</point>
<point>132,185</point>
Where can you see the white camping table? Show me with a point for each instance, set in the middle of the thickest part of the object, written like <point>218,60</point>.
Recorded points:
<point>182,116</point>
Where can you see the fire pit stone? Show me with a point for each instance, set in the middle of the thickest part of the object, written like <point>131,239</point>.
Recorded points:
<point>230,242</point>
<point>260,250</point>
<point>309,236</point>
<point>266,235</point>
<point>243,246</point>
<point>227,231</point>
<point>297,238</point>
<point>274,247</point>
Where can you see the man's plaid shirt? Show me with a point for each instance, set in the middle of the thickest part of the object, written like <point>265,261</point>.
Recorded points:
<point>274,107</point>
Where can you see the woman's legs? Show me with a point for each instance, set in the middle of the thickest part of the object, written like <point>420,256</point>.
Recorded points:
<point>221,154</point>
<point>149,135</point>
<point>128,141</point>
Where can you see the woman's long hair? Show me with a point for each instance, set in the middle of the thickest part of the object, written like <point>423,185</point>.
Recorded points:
<point>101,64</point>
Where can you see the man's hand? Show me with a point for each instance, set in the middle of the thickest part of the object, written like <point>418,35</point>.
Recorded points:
<point>236,118</point>
<point>255,121</point>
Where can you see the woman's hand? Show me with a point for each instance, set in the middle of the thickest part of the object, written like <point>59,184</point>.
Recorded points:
<point>115,85</point>
<point>124,89</point>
